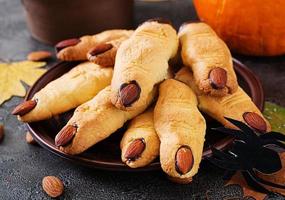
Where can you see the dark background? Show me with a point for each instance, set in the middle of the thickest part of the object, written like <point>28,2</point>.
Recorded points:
<point>23,166</point>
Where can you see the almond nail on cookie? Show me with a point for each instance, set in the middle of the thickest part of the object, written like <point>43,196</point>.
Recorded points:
<point>141,63</point>
<point>238,105</point>
<point>140,143</point>
<point>181,129</point>
<point>93,122</point>
<point>72,89</point>
<point>77,48</point>
<point>209,59</point>
<point>104,54</point>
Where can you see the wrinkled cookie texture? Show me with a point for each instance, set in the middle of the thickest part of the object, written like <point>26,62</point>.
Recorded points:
<point>181,129</point>
<point>77,49</point>
<point>72,89</point>
<point>95,120</point>
<point>238,105</point>
<point>140,143</point>
<point>209,58</point>
<point>142,62</point>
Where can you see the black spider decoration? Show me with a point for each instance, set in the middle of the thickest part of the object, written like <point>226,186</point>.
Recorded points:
<point>250,153</point>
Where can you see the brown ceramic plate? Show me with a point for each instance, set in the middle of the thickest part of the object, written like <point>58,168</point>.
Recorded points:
<point>106,154</point>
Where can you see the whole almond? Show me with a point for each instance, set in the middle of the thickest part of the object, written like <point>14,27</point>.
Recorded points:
<point>255,121</point>
<point>129,93</point>
<point>66,43</point>
<point>100,48</point>
<point>218,78</point>
<point>65,135</point>
<point>184,160</point>
<point>24,107</point>
<point>135,149</point>
<point>39,55</point>
<point>53,186</point>
<point>30,139</point>
<point>103,54</point>
<point>1,132</point>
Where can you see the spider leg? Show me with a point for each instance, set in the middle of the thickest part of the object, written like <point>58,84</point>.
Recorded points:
<point>225,164</point>
<point>256,178</point>
<point>277,143</point>
<point>242,126</point>
<point>273,135</point>
<point>221,154</point>
<point>235,133</point>
<point>253,183</point>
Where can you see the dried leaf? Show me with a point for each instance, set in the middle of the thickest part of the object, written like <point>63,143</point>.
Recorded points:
<point>275,114</point>
<point>12,73</point>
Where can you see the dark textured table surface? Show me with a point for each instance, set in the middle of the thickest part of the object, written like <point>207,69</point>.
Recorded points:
<point>23,166</point>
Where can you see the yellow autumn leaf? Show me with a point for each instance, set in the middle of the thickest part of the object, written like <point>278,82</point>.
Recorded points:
<point>11,75</point>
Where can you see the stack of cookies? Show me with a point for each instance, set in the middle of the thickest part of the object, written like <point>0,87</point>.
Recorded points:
<point>128,78</point>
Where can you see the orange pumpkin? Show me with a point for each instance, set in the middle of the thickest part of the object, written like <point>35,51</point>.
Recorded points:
<point>251,27</point>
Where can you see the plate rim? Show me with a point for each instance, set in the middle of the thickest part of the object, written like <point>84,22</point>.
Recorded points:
<point>257,94</point>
